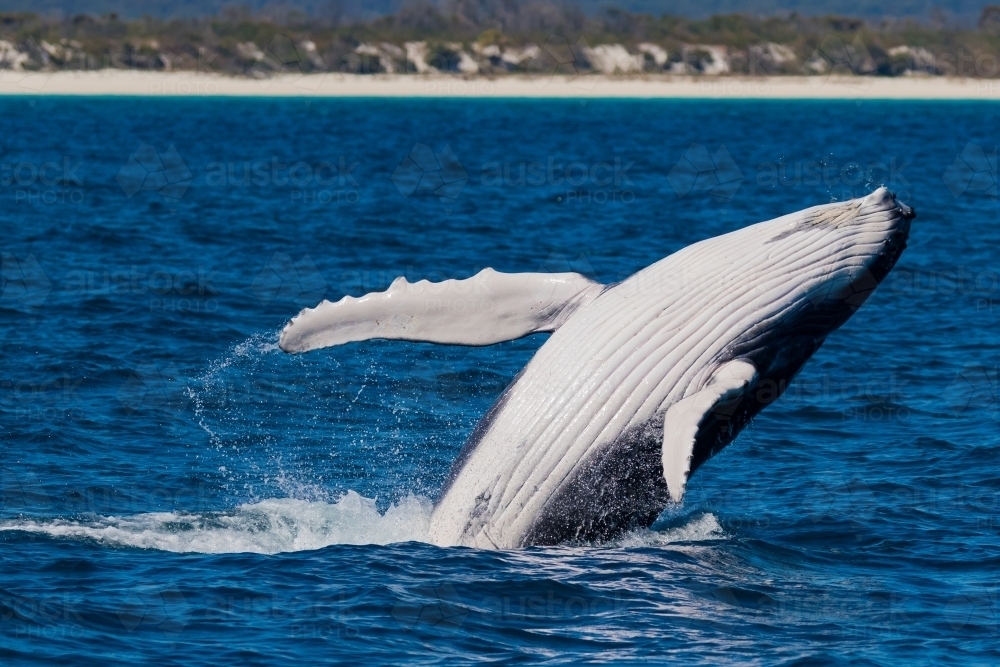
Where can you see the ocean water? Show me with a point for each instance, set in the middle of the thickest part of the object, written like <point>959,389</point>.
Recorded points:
<point>175,488</point>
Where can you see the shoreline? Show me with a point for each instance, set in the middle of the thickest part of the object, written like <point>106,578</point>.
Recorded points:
<point>134,83</point>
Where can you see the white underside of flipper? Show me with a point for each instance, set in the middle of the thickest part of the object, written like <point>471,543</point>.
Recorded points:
<point>684,418</point>
<point>490,307</point>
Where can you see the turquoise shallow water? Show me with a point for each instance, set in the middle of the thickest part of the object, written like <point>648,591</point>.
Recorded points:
<point>173,487</point>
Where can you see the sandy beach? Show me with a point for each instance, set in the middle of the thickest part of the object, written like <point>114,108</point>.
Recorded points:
<point>186,84</point>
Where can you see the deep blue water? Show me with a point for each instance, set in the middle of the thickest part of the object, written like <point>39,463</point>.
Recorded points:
<point>175,488</point>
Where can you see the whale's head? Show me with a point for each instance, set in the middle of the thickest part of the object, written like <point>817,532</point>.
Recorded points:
<point>809,272</point>
<point>833,256</point>
<point>788,284</point>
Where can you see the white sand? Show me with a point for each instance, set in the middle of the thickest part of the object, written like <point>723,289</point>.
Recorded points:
<point>130,82</point>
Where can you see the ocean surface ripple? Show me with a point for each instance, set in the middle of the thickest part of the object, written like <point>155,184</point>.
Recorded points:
<point>174,488</point>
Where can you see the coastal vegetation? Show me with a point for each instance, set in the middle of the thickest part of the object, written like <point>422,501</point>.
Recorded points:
<point>498,37</point>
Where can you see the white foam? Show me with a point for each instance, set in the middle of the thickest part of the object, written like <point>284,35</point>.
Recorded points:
<point>702,528</point>
<point>267,527</point>
<point>285,524</point>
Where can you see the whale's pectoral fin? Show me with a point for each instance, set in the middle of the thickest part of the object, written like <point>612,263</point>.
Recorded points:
<point>685,418</point>
<point>490,307</point>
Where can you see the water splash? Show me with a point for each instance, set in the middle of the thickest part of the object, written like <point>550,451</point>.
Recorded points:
<point>281,525</point>
<point>700,528</point>
<point>266,527</point>
<point>212,381</point>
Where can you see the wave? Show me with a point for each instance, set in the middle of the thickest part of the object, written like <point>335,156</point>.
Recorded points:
<point>282,525</point>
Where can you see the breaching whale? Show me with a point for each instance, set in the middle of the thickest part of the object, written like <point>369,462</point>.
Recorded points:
<point>642,381</point>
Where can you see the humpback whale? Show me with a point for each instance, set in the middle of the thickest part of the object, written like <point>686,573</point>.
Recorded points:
<point>642,381</point>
